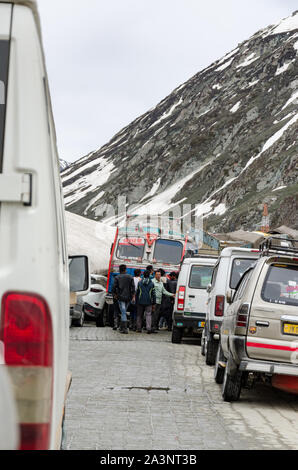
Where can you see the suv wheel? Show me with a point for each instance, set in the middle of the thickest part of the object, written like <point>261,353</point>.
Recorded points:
<point>177,334</point>
<point>219,370</point>
<point>231,385</point>
<point>79,323</point>
<point>211,346</point>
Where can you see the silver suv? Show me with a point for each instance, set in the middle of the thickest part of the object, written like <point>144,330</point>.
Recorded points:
<point>259,333</point>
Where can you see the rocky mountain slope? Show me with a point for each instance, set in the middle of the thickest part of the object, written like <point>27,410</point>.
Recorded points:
<point>225,141</point>
<point>63,165</point>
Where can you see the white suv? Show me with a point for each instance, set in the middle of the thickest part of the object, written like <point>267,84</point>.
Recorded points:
<point>191,296</point>
<point>230,267</point>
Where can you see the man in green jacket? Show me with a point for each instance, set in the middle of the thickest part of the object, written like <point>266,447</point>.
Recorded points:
<point>159,291</point>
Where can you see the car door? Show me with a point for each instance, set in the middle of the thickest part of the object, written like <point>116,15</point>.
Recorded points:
<point>196,296</point>
<point>273,322</point>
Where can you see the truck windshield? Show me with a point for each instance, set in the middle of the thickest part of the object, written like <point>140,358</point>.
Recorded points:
<point>4,57</point>
<point>168,251</point>
<point>239,267</point>
<point>281,285</point>
<point>130,248</point>
<point>200,277</point>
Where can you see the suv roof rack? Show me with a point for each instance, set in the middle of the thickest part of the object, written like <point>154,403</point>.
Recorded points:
<point>285,246</point>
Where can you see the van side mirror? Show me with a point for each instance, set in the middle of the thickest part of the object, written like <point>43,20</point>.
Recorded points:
<point>229,296</point>
<point>209,288</point>
<point>79,274</point>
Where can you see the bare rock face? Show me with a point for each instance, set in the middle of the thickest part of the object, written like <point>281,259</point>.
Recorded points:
<point>225,141</point>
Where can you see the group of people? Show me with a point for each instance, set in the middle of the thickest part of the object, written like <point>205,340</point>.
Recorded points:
<point>149,298</point>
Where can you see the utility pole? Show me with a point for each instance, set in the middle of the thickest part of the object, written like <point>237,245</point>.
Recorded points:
<point>265,221</point>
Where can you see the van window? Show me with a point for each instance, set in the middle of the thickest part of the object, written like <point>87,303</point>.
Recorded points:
<point>241,288</point>
<point>168,251</point>
<point>130,248</point>
<point>214,276</point>
<point>4,58</point>
<point>281,285</point>
<point>238,269</point>
<point>200,277</point>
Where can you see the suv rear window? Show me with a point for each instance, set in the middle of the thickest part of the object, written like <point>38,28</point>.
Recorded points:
<point>200,277</point>
<point>4,58</point>
<point>281,285</point>
<point>239,267</point>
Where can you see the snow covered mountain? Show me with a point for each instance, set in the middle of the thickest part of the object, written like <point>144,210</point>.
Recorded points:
<point>225,141</point>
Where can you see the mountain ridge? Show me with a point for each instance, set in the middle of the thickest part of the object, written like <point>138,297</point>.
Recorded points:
<point>225,141</point>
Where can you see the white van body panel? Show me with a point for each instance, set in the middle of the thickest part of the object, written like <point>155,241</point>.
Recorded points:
<point>8,414</point>
<point>223,275</point>
<point>33,257</point>
<point>195,299</point>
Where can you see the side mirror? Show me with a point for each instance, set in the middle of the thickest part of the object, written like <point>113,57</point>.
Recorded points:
<point>209,288</point>
<point>79,274</point>
<point>229,296</point>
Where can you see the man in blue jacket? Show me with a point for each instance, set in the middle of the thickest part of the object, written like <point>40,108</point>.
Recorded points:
<point>145,298</point>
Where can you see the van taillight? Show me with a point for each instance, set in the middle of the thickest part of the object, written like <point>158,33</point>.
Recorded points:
<point>181,298</point>
<point>242,316</point>
<point>27,335</point>
<point>219,305</point>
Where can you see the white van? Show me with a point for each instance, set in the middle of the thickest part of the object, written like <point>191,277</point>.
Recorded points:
<point>34,274</point>
<point>191,297</point>
<point>9,436</point>
<point>230,267</point>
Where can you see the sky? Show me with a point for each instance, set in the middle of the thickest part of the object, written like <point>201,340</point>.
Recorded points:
<point>111,61</point>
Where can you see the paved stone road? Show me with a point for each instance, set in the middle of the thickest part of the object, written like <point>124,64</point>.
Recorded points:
<point>143,392</point>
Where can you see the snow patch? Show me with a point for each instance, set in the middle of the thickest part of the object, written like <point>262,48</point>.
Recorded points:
<point>87,237</point>
<point>224,66</point>
<point>293,98</point>
<point>286,25</point>
<point>273,139</point>
<point>279,188</point>
<point>235,108</point>
<point>283,68</point>
<point>249,60</point>
<point>166,115</point>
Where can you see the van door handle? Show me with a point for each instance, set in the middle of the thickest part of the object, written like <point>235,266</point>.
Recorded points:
<point>192,296</point>
<point>262,323</point>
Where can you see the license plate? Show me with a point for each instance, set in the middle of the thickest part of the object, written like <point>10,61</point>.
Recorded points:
<point>290,329</point>
<point>201,324</point>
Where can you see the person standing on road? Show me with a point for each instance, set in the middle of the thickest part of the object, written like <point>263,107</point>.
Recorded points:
<point>133,305</point>
<point>151,271</point>
<point>124,291</point>
<point>145,298</point>
<point>171,286</point>
<point>159,291</point>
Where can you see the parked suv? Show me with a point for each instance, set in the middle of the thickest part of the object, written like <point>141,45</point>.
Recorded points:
<point>191,296</point>
<point>230,267</point>
<point>259,333</point>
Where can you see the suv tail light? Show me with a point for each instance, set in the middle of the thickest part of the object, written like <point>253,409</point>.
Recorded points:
<point>181,298</point>
<point>27,335</point>
<point>219,305</point>
<point>242,316</point>
<point>94,289</point>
